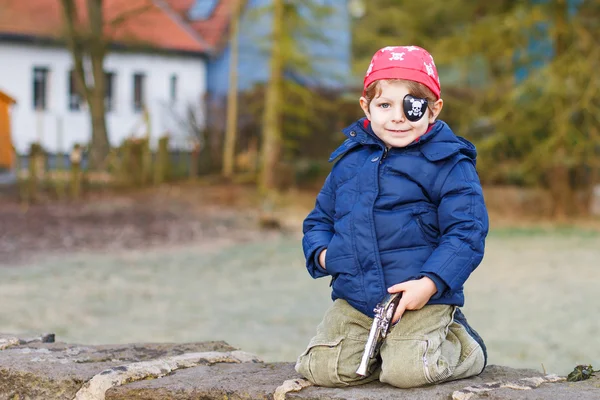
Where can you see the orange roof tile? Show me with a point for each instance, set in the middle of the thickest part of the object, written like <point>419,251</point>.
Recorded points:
<point>214,29</point>
<point>5,98</point>
<point>142,22</point>
<point>181,6</point>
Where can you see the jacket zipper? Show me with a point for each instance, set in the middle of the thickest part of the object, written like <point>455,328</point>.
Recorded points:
<point>385,153</point>
<point>423,232</point>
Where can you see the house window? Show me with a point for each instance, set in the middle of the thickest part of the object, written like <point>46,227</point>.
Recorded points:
<point>138,91</point>
<point>75,98</point>
<point>202,9</point>
<point>173,88</point>
<point>109,91</point>
<point>40,88</point>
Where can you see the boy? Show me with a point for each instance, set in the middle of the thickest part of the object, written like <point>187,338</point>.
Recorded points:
<point>401,211</point>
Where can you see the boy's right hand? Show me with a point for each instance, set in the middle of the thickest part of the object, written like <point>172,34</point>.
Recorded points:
<point>415,294</point>
<point>322,258</point>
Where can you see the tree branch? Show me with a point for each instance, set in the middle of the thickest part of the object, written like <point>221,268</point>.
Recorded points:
<point>125,15</point>
<point>75,46</point>
<point>97,44</point>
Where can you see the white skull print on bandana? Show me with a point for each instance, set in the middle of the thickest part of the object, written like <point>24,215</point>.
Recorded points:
<point>397,57</point>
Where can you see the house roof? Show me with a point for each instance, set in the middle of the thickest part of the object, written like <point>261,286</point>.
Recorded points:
<point>159,23</point>
<point>214,29</point>
<point>5,98</point>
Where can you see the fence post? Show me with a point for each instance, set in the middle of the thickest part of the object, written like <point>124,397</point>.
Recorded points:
<point>35,163</point>
<point>161,164</point>
<point>194,160</point>
<point>75,158</point>
<point>59,177</point>
<point>146,161</point>
<point>21,183</point>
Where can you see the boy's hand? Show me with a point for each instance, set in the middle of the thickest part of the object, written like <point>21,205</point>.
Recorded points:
<point>322,259</point>
<point>415,294</point>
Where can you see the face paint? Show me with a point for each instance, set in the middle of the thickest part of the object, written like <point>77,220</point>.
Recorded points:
<point>414,107</point>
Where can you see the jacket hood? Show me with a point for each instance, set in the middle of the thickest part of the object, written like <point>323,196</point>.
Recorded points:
<point>437,144</point>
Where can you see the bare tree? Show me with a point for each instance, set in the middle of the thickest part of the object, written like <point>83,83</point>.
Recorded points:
<point>271,135</point>
<point>232,95</point>
<point>88,45</point>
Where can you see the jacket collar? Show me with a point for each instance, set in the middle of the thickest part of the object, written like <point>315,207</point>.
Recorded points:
<point>362,132</point>
<point>438,143</point>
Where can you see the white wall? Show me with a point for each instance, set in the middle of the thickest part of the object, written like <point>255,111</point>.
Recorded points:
<point>17,62</point>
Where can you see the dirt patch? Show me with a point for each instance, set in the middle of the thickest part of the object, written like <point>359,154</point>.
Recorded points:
<point>165,216</point>
<point>199,212</point>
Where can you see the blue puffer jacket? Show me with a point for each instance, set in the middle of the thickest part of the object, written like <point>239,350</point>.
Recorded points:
<point>387,217</point>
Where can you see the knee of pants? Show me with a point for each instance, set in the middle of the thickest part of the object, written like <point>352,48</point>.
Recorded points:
<point>330,362</point>
<point>404,364</point>
<point>319,363</point>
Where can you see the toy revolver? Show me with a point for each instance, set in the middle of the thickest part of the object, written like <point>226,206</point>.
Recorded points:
<point>384,312</point>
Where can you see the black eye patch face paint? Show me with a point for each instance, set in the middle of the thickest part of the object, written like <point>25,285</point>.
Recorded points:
<point>414,107</point>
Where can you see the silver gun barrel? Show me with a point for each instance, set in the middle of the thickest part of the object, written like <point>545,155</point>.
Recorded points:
<point>369,348</point>
<point>384,312</point>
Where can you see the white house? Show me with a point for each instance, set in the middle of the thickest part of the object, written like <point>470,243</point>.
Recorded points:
<point>50,112</point>
<point>37,70</point>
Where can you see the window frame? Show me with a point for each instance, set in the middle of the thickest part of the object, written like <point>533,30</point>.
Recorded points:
<point>109,91</point>
<point>40,83</point>
<point>75,100</point>
<point>173,88</point>
<point>139,95</point>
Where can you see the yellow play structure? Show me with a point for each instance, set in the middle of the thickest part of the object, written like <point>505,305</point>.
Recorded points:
<point>6,147</point>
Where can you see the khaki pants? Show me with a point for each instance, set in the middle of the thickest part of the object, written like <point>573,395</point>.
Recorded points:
<point>425,347</point>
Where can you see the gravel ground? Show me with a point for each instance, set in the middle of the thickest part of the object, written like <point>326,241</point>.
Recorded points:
<point>177,265</point>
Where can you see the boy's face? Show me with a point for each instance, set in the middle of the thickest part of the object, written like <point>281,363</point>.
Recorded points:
<point>387,117</point>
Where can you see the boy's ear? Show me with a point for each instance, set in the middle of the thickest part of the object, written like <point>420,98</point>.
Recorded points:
<point>364,104</point>
<point>436,110</point>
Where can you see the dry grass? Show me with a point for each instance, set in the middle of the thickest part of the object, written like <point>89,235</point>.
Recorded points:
<point>534,299</point>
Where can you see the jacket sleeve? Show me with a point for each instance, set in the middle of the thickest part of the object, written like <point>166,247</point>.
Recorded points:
<point>318,229</point>
<point>463,224</point>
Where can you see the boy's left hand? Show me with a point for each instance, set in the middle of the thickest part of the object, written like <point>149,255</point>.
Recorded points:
<point>415,294</point>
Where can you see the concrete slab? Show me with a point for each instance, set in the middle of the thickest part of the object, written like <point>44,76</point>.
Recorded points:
<point>37,370</point>
<point>259,381</point>
<point>58,370</point>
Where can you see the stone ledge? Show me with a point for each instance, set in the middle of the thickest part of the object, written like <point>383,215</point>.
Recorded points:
<point>31,369</point>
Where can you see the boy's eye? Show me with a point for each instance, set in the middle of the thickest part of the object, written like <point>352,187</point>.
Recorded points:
<point>385,105</point>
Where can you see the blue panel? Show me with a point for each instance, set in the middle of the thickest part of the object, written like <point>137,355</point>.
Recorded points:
<point>540,48</point>
<point>331,55</point>
<point>202,9</point>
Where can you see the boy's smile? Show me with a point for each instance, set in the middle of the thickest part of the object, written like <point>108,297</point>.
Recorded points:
<point>388,121</point>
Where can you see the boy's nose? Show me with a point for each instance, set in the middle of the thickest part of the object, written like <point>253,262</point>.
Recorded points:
<point>398,115</point>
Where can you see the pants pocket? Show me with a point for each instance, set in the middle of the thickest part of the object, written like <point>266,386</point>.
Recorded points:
<point>435,365</point>
<point>403,363</point>
<point>319,363</point>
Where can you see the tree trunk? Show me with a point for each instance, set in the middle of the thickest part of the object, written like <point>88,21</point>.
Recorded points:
<point>561,189</point>
<point>100,146</point>
<point>90,46</point>
<point>271,135</point>
<point>232,95</point>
